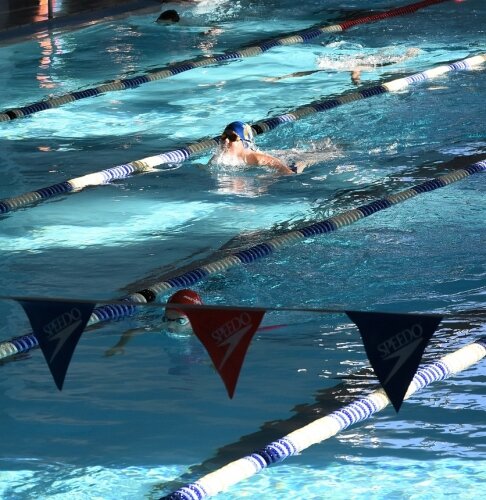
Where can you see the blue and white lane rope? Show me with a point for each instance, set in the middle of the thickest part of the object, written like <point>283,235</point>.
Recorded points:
<point>174,69</point>
<point>326,427</point>
<point>176,156</point>
<point>155,292</point>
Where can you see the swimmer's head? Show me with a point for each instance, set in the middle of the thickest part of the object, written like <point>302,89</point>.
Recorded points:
<point>168,16</point>
<point>356,76</point>
<point>235,131</point>
<point>175,319</point>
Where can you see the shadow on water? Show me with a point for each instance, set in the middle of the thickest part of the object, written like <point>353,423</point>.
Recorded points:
<point>344,199</point>
<point>325,401</point>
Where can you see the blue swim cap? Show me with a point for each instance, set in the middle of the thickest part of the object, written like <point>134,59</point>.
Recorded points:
<point>243,131</point>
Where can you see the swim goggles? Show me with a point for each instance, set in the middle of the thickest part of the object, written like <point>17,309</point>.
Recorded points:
<point>182,320</point>
<point>231,136</point>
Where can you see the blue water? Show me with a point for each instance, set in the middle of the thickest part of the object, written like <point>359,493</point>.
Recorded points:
<point>132,425</point>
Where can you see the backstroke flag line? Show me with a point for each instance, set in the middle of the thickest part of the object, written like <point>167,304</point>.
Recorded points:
<point>58,327</point>
<point>226,335</point>
<point>394,344</point>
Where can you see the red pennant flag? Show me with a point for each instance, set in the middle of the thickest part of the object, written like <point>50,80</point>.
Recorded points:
<point>394,344</point>
<point>226,334</point>
<point>57,326</point>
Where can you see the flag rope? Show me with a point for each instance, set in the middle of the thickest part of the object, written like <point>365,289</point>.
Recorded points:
<point>179,155</point>
<point>182,66</point>
<point>153,293</point>
<point>326,427</point>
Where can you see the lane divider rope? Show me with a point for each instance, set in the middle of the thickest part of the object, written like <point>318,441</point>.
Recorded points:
<point>177,68</point>
<point>154,292</point>
<point>179,155</point>
<point>326,427</point>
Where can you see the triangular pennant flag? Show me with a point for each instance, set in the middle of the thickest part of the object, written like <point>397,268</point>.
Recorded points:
<point>394,344</point>
<point>226,334</point>
<point>57,327</point>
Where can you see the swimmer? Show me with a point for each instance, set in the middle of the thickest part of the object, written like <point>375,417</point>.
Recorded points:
<point>171,16</point>
<point>238,148</point>
<point>357,68</point>
<point>174,320</point>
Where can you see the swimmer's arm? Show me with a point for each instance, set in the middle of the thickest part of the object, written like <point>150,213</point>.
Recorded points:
<point>266,160</point>
<point>291,75</point>
<point>295,167</point>
<point>214,159</point>
<point>118,348</point>
<point>214,30</point>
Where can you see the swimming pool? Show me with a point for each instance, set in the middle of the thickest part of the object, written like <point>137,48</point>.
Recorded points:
<point>131,426</point>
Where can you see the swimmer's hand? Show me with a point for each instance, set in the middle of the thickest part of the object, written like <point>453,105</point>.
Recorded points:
<point>114,351</point>
<point>298,166</point>
<point>272,78</point>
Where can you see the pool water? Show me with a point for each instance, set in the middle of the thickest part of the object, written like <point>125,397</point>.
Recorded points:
<point>143,423</point>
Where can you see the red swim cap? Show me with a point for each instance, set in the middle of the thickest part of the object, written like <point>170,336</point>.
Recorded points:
<point>185,296</point>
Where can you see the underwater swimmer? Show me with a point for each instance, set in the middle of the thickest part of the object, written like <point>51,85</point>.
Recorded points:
<point>174,320</point>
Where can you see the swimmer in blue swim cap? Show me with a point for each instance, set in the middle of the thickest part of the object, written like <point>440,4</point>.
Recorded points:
<point>242,130</point>
<point>238,148</point>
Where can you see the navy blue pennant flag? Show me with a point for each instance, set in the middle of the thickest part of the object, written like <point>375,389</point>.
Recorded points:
<point>57,327</point>
<point>394,344</point>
